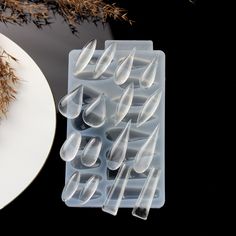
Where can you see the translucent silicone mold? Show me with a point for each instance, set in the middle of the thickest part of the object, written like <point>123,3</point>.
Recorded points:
<point>121,122</point>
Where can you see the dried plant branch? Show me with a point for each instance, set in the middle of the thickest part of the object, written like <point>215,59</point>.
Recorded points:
<point>74,12</point>
<point>8,82</point>
<point>41,12</point>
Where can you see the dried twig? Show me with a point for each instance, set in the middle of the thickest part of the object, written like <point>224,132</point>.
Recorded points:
<point>8,82</point>
<point>40,12</point>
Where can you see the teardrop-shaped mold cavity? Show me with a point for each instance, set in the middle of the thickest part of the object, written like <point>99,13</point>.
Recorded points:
<point>89,75</point>
<point>118,149</point>
<point>149,107</point>
<point>85,56</point>
<point>120,183</point>
<point>138,62</point>
<point>133,116</point>
<point>124,68</point>
<point>77,164</point>
<point>145,155</point>
<point>88,190</point>
<point>94,114</point>
<point>148,77</point>
<point>71,104</point>
<point>146,196</point>
<point>71,146</point>
<point>91,152</point>
<point>124,104</point>
<point>130,80</point>
<point>105,60</point>
<point>137,100</point>
<point>134,135</point>
<point>71,186</point>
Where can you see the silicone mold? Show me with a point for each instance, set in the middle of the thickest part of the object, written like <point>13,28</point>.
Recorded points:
<point>122,125</point>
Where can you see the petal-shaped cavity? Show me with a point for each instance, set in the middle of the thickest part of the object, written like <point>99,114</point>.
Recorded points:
<point>105,60</point>
<point>70,147</point>
<point>145,155</point>
<point>91,152</point>
<point>117,152</point>
<point>125,103</point>
<point>123,71</point>
<point>149,108</point>
<point>85,56</point>
<point>144,202</point>
<point>94,114</point>
<point>71,186</point>
<point>148,77</point>
<point>116,192</point>
<point>88,190</point>
<point>71,104</point>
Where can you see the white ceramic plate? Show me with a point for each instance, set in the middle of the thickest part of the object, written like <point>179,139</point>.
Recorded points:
<point>26,136</point>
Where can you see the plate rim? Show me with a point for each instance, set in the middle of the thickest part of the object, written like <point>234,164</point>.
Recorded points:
<point>54,127</point>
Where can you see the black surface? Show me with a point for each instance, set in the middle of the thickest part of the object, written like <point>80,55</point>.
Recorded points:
<point>185,32</point>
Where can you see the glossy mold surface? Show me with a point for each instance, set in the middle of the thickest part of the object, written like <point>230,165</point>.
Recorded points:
<point>121,122</point>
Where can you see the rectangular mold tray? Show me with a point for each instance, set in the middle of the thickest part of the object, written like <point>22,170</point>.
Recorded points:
<point>144,53</point>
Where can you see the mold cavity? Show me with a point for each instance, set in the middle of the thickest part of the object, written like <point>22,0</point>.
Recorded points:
<point>89,75</point>
<point>134,135</point>
<point>76,163</point>
<point>137,100</point>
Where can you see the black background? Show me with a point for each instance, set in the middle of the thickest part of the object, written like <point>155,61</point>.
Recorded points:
<point>186,32</point>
